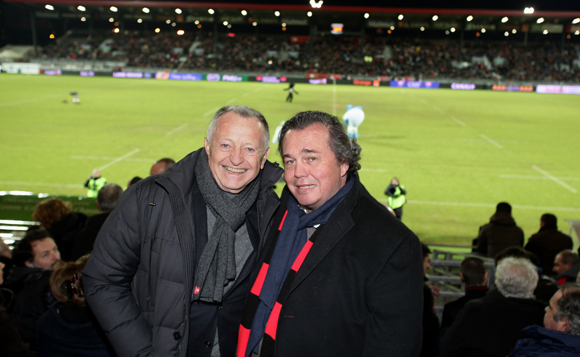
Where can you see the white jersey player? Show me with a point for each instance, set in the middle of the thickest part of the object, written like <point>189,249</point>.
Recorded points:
<point>353,118</point>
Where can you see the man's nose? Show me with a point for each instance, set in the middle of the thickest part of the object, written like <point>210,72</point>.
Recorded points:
<point>237,158</point>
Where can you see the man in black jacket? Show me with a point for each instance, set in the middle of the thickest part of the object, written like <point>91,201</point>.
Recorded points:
<point>34,258</point>
<point>186,241</point>
<point>548,242</point>
<point>341,276</point>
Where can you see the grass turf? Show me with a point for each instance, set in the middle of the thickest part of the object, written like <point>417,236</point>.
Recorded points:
<point>457,153</point>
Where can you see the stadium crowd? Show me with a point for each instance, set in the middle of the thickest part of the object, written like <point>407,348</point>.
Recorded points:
<point>69,282</point>
<point>342,55</point>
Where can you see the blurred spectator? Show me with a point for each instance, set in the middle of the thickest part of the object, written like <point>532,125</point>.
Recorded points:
<point>490,326</point>
<point>69,328</point>
<point>94,183</point>
<point>474,276</point>
<point>396,197</point>
<point>566,266</point>
<point>500,233</point>
<point>161,166</point>
<point>430,319</point>
<point>560,336</point>
<point>34,258</point>
<point>106,203</point>
<point>57,217</point>
<point>548,242</point>
<point>133,181</point>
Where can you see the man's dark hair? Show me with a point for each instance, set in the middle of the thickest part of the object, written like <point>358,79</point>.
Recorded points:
<point>550,221</point>
<point>23,250</point>
<point>473,271</point>
<point>345,150</point>
<point>515,252</point>
<point>425,249</point>
<point>569,307</point>
<point>569,257</point>
<point>134,180</point>
<point>108,196</point>
<point>503,207</point>
<point>167,161</point>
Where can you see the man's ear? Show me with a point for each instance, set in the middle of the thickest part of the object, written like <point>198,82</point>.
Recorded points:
<point>265,157</point>
<point>206,144</point>
<point>29,264</point>
<point>461,276</point>
<point>564,325</point>
<point>485,279</point>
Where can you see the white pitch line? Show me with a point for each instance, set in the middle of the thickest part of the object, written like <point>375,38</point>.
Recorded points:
<point>492,141</point>
<point>468,204</point>
<point>257,89</point>
<point>554,178</point>
<point>31,100</point>
<point>246,94</point>
<point>40,184</point>
<point>119,159</point>
<point>231,101</point>
<point>439,109</point>
<point>530,177</point>
<point>210,111</point>
<point>422,101</point>
<point>457,121</point>
<point>107,158</point>
<point>177,129</point>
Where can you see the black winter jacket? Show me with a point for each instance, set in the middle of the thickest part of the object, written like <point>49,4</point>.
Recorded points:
<point>149,242</point>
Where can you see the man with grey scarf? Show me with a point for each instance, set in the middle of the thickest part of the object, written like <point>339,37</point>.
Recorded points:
<point>169,274</point>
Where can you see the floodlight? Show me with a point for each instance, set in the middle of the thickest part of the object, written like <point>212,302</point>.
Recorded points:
<point>435,18</point>
<point>469,18</point>
<point>111,19</point>
<point>254,23</point>
<point>116,30</point>
<point>422,28</point>
<point>113,9</point>
<point>309,14</point>
<point>514,31</point>
<point>529,10</point>
<point>453,29</point>
<point>504,19</point>
<point>576,20</point>
<point>401,17</point>
<point>506,34</point>
<point>447,32</point>
<point>81,8</point>
<point>168,21</point>
<point>139,21</point>
<point>545,32</point>
<point>49,7</point>
<point>225,23</point>
<point>173,24</point>
<point>540,20</point>
<point>83,19</point>
<point>157,30</point>
<point>196,22</point>
<point>283,24</point>
<point>145,10</point>
<point>367,15</point>
<point>483,30</point>
<point>316,4</point>
<point>178,11</point>
<point>392,28</point>
<point>577,32</point>
<point>51,36</point>
<point>244,12</point>
<point>277,13</point>
<point>211,11</point>
<point>180,32</point>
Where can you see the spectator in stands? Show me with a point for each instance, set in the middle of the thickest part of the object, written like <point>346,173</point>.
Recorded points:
<point>566,266</point>
<point>341,276</point>
<point>5,257</point>
<point>474,276</point>
<point>10,341</point>
<point>69,328</point>
<point>133,181</point>
<point>546,285</point>
<point>161,166</point>
<point>500,233</point>
<point>548,242</point>
<point>187,240</point>
<point>560,336</point>
<point>63,224</point>
<point>106,203</point>
<point>490,326</point>
<point>34,258</point>
<point>430,319</point>
<point>94,183</point>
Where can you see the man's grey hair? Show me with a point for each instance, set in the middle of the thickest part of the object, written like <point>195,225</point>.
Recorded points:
<point>244,112</point>
<point>108,196</point>
<point>516,278</point>
<point>345,150</point>
<point>569,306</point>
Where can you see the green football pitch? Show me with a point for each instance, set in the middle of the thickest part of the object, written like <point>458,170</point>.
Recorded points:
<point>458,153</point>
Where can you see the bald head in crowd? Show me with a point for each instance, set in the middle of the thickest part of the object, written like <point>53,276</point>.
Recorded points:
<point>161,166</point>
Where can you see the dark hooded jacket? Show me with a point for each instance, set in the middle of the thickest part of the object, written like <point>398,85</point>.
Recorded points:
<point>150,241</point>
<point>500,233</point>
<point>546,343</point>
<point>546,244</point>
<point>64,232</point>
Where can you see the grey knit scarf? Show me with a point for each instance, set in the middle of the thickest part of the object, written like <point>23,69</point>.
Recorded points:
<point>217,264</point>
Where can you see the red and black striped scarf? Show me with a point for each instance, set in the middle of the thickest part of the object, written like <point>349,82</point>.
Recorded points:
<point>291,246</point>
